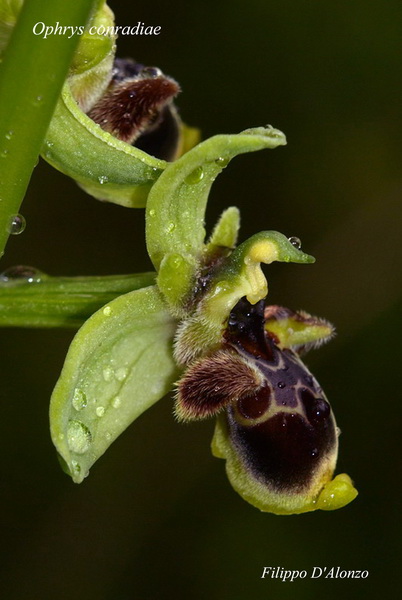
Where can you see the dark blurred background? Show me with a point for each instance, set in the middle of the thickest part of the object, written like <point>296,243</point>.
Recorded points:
<point>157,518</point>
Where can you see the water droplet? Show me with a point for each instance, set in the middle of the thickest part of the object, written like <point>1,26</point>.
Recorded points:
<point>281,385</point>
<point>151,72</point>
<point>4,153</point>
<point>116,402</point>
<point>39,99</point>
<point>121,374</point>
<point>79,437</point>
<point>222,162</point>
<point>108,374</point>
<point>296,242</point>
<point>100,411</point>
<point>196,176</point>
<point>16,225</point>
<point>170,227</point>
<point>79,400</point>
<point>22,274</point>
<point>152,212</point>
<point>314,452</point>
<point>107,311</point>
<point>76,466</point>
<point>9,134</point>
<point>103,179</point>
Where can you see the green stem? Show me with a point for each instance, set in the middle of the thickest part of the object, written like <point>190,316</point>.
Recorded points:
<point>62,301</point>
<point>32,73</point>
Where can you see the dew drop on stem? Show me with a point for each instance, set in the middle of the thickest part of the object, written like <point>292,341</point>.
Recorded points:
<point>22,274</point>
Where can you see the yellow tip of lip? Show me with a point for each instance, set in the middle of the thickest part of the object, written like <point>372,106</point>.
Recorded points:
<point>337,493</point>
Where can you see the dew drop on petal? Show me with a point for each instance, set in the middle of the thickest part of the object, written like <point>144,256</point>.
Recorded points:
<point>100,411</point>
<point>151,72</point>
<point>76,466</point>
<point>116,402</point>
<point>196,176</point>
<point>79,437</point>
<point>296,242</point>
<point>108,374</point>
<point>16,224</point>
<point>222,162</point>
<point>79,400</point>
<point>121,374</point>
<point>107,311</point>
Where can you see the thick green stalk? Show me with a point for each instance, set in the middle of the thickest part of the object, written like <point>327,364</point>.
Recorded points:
<point>32,73</point>
<point>41,301</point>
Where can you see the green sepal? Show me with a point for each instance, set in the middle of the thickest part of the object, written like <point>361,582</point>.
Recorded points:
<point>104,166</point>
<point>176,205</point>
<point>44,301</point>
<point>323,493</point>
<point>118,365</point>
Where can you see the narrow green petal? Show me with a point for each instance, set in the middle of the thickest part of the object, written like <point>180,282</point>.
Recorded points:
<point>177,202</point>
<point>37,300</point>
<point>118,365</point>
<point>297,330</point>
<point>226,229</point>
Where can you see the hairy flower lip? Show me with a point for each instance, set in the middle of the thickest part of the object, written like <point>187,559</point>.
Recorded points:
<point>127,109</point>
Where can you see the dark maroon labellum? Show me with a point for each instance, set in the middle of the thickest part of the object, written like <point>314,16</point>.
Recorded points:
<point>287,436</point>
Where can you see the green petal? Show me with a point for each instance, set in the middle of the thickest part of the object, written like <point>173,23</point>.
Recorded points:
<point>297,330</point>
<point>177,202</point>
<point>118,365</point>
<point>104,166</point>
<point>226,230</point>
